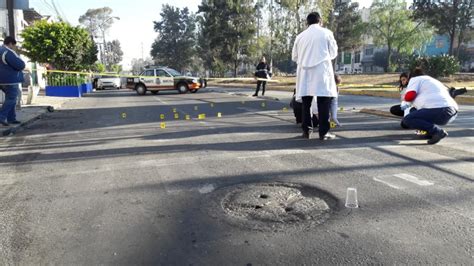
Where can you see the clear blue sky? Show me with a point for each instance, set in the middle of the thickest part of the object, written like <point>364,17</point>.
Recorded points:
<point>135,26</point>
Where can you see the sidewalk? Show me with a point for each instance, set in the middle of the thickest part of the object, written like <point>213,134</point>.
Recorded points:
<point>31,112</point>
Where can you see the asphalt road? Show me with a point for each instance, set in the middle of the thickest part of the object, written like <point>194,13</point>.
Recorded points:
<point>107,181</point>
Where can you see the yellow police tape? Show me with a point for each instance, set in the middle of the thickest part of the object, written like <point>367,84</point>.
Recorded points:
<point>223,79</point>
<point>138,76</point>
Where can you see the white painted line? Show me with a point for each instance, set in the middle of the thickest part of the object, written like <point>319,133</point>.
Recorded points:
<point>386,183</point>
<point>414,179</point>
<point>254,156</point>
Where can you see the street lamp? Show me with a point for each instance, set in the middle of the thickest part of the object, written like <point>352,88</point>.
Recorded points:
<point>104,47</point>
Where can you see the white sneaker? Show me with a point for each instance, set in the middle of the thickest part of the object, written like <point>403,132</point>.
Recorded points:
<point>328,136</point>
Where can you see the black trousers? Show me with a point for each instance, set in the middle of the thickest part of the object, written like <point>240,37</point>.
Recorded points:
<point>324,109</point>
<point>263,84</point>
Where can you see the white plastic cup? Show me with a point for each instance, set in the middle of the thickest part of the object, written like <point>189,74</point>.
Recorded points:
<point>351,198</point>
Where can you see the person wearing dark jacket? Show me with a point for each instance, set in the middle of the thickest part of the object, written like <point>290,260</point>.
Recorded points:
<point>11,75</point>
<point>262,72</point>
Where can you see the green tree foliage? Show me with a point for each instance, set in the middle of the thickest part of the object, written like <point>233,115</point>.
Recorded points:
<point>138,65</point>
<point>59,44</point>
<point>227,30</point>
<point>347,26</point>
<point>437,66</point>
<point>448,17</point>
<point>176,41</point>
<point>391,26</point>
<point>97,21</point>
<point>113,54</point>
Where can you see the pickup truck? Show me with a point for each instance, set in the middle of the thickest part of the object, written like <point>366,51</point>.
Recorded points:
<point>155,79</point>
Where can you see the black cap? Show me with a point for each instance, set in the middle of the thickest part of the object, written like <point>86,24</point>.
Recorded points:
<point>9,40</point>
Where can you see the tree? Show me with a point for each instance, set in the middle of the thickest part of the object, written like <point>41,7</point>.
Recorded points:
<point>448,17</point>
<point>391,26</point>
<point>176,41</point>
<point>97,20</point>
<point>113,53</point>
<point>347,26</point>
<point>138,65</point>
<point>227,30</point>
<point>59,44</point>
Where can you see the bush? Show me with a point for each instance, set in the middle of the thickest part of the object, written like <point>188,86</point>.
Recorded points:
<point>436,66</point>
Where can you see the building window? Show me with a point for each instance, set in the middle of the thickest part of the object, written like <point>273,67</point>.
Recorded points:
<point>369,51</point>
<point>347,58</point>
<point>357,57</point>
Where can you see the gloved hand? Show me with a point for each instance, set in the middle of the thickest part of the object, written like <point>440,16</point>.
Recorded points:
<point>404,105</point>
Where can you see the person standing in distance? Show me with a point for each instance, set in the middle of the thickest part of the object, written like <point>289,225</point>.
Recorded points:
<point>262,72</point>
<point>11,75</point>
<point>313,51</point>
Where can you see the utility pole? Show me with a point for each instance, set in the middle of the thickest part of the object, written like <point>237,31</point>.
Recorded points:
<point>271,35</point>
<point>11,18</point>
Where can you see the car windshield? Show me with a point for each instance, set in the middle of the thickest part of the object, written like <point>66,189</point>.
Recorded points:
<point>173,72</point>
<point>108,77</point>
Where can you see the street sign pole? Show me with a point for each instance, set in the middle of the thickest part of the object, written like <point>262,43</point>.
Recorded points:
<point>11,18</point>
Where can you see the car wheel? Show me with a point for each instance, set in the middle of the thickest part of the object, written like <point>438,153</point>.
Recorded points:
<point>193,91</point>
<point>154,92</point>
<point>183,88</point>
<point>141,89</point>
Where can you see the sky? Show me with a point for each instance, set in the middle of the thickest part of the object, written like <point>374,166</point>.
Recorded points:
<point>135,27</point>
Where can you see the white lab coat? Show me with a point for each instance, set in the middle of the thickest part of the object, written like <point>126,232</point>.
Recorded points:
<point>313,51</point>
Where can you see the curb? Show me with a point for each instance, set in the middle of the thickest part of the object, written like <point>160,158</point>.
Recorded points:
<point>395,95</point>
<point>378,113</point>
<point>245,94</point>
<point>14,129</point>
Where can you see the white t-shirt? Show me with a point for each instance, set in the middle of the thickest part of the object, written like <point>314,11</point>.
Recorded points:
<point>430,93</point>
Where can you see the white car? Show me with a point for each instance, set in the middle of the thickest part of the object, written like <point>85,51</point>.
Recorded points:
<point>113,82</point>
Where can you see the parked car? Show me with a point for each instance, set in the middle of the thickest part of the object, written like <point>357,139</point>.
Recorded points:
<point>155,79</point>
<point>104,82</point>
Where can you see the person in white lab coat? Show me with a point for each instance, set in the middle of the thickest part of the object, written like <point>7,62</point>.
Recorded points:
<point>313,51</point>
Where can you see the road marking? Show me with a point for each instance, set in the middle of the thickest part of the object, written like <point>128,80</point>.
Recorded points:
<point>263,154</point>
<point>414,179</point>
<point>397,181</point>
<point>387,183</point>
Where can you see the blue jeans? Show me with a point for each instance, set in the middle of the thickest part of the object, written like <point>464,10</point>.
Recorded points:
<point>429,119</point>
<point>7,112</point>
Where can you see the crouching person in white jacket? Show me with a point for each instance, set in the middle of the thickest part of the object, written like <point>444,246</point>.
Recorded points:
<point>434,106</point>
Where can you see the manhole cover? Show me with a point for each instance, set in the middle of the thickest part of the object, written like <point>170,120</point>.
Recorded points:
<point>276,204</point>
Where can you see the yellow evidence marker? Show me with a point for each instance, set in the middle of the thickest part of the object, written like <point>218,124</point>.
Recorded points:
<point>201,116</point>
<point>124,115</point>
<point>176,116</point>
<point>174,110</point>
<point>187,117</point>
<point>332,124</point>
<point>162,117</point>
<point>341,109</point>
<point>285,109</point>
<point>219,115</point>
<point>163,125</point>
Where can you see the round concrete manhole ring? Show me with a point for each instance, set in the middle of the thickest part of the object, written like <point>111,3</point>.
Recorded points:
<point>273,205</point>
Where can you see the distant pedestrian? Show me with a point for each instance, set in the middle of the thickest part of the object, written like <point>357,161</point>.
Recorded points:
<point>313,51</point>
<point>11,76</point>
<point>262,72</point>
<point>434,106</point>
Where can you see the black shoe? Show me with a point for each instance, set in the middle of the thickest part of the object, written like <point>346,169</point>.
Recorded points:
<point>327,136</point>
<point>403,125</point>
<point>4,123</point>
<point>437,137</point>
<point>255,95</point>
<point>459,92</point>
<point>14,122</point>
<point>307,135</point>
